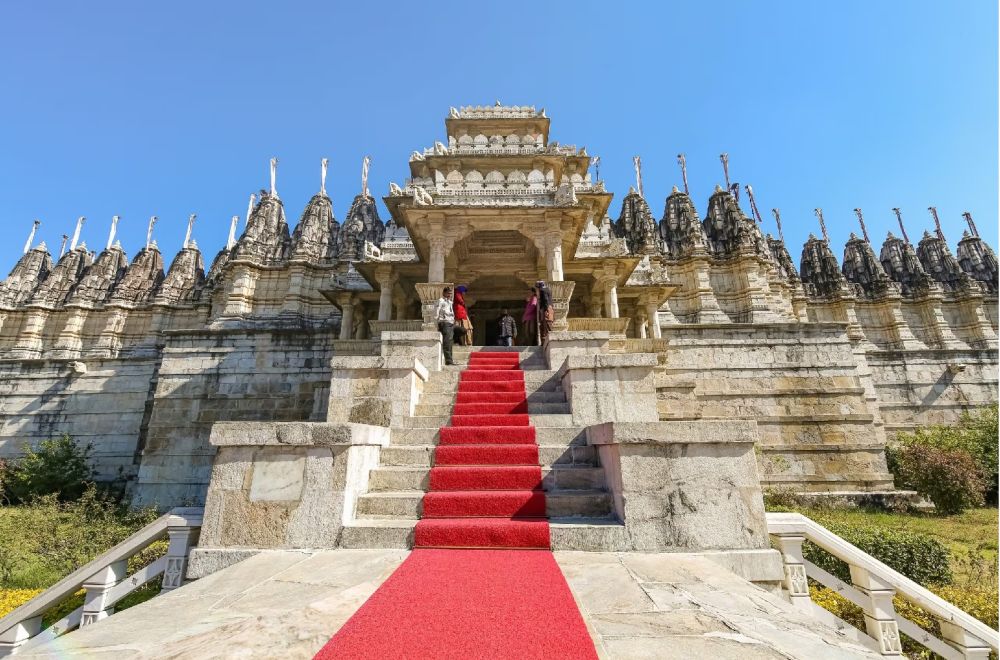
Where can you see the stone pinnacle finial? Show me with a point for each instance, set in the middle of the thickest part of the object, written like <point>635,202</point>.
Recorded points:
<point>637,163</point>
<point>232,232</point>
<point>149,230</point>
<point>62,246</point>
<point>684,171</point>
<point>972,225</point>
<point>725,168</point>
<point>899,219</point>
<point>777,220</point>
<point>274,178</point>
<point>595,162</point>
<point>114,230</point>
<point>323,164</point>
<point>31,236</point>
<point>937,223</point>
<point>822,224</point>
<point>861,221</point>
<point>187,234</point>
<point>76,233</point>
<point>365,164</point>
<point>753,204</point>
<point>253,198</point>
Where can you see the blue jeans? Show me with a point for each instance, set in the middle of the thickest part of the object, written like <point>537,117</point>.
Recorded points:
<point>506,341</point>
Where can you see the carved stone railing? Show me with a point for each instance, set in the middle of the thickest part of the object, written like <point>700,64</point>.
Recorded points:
<point>615,327</point>
<point>405,325</point>
<point>105,581</point>
<point>648,345</point>
<point>561,294</point>
<point>356,347</point>
<point>874,586</point>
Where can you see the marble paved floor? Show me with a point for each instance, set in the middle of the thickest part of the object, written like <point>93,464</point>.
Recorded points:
<point>287,605</point>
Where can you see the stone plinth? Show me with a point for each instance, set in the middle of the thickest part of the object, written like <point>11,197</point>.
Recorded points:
<point>609,387</point>
<point>430,293</point>
<point>562,344</point>
<point>374,390</point>
<point>282,485</point>
<point>424,345</point>
<point>561,294</point>
<point>684,486</point>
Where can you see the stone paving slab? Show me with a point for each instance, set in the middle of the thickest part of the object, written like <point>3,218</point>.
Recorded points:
<point>287,604</point>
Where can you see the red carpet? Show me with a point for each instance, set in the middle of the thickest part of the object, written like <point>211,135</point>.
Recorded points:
<point>481,604</point>
<point>472,599</point>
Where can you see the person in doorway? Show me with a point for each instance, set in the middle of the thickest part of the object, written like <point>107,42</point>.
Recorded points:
<point>444,314</point>
<point>530,318</point>
<point>462,317</point>
<point>546,315</point>
<point>508,329</point>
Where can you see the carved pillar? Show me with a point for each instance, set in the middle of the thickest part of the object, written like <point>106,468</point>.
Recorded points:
<point>709,310</point>
<point>386,280</point>
<point>795,582</point>
<point>400,302</point>
<point>294,298</point>
<point>553,256</point>
<point>430,293</point>
<point>610,297</point>
<point>29,340</point>
<point>435,268</point>
<point>880,615</point>
<point>70,340</point>
<point>182,539</point>
<point>97,588</point>
<point>346,303</point>
<point>109,342</point>
<point>239,301</point>
<point>653,312</point>
<point>641,321</point>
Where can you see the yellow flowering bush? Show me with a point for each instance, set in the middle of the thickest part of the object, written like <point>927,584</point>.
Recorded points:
<point>11,599</point>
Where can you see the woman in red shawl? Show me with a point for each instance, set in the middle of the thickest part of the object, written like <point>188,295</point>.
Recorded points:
<point>462,316</point>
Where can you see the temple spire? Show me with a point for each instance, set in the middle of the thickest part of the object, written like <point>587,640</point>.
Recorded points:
<point>684,172</point>
<point>62,246</point>
<point>861,221</point>
<point>149,231</point>
<point>253,198</point>
<point>777,220</point>
<point>114,230</point>
<point>725,169</point>
<point>972,225</point>
<point>232,232</point>
<point>937,223</point>
<point>187,235</point>
<point>899,219</point>
<point>76,233</point>
<point>31,236</point>
<point>822,224</point>
<point>753,204</point>
<point>595,162</point>
<point>365,164</point>
<point>637,163</point>
<point>323,164</point>
<point>274,178</point>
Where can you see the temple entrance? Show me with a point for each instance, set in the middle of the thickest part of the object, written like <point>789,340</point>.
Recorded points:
<point>485,315</point>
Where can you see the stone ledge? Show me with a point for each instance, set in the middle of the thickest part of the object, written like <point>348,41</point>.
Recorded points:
<point>674,432</point>
<point>308,434</point>
<point>379,362</point>
<point>579,335</point>
<point>205,561</point>
<point>611,361</point>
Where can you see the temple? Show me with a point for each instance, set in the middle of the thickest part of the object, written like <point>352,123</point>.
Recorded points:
<point>308,324</point>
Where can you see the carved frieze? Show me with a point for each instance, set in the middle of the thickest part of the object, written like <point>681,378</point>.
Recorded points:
<point>977,259</point>
<point>637,226</point>
<point>142,279</point>
<point>315,237</point>
<point>26,276</point>
<point>861,267</point>
<point>681,231</point>
<point>819,270</point>
<point>900,262</point>
<point>266,240</point>
<point>100,279</point>
<point>939,263</point>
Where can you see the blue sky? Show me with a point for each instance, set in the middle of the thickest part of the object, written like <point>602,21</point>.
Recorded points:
<point>174,108</point>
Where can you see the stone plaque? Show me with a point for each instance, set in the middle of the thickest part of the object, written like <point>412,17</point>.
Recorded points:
<point>277,477</point>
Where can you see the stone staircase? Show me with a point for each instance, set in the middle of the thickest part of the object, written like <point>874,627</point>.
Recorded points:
<point>578,503</point>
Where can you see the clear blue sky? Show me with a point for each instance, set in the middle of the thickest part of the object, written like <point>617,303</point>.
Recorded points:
<point>137,108</point>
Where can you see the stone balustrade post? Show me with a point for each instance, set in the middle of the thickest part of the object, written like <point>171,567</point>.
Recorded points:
<point>18,635</point>
<point>95,599</point>
<point>880,614</point>
<point>970,646</point>
<point>430,293</point>
<point>795,583</point>
<point>181,540</point>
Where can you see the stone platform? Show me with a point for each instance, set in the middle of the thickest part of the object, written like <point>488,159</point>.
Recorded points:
<point>287,604</point>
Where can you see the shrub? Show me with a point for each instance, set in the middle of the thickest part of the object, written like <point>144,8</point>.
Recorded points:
<point>918,557</point>
<point>950,478</point>
<point>58,466</point>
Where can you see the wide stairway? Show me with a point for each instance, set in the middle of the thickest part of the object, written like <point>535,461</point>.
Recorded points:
<point>489,459</point>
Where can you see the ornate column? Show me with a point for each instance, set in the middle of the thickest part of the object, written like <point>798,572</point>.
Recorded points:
<point>346,302</point>
<point>641,321</point>
<point>430,293</point>
<point>553,256</point>
<point>653,312</point>
<point>610,284</point>
<point>439,247</point>
<point>386,280</point>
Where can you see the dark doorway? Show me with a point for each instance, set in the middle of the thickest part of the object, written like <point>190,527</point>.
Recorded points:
<point>486,315</point>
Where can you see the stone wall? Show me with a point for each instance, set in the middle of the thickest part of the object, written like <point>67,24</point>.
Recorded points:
<point>102,402</point>
<point>231,375</point>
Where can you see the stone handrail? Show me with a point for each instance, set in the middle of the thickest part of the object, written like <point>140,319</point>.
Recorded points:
<point>105,581</point>
<point>874,586</point>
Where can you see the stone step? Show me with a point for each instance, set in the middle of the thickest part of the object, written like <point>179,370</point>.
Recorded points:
<point>407,504</point>
<point>423,455</point>
<point>562,436</point>
<point>446,382</point>
<point>389,533</point>
<point>555,478</point>
<point>434,409</point>
<point>440,398</point>
<point>543,420</point>
<point>601,534</point>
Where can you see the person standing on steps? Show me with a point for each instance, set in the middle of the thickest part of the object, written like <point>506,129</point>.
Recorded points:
<point>530,318</point>
<point>546,315</point>
<point>444,314</point>
<point>508,329</point>
<point>462,316</point>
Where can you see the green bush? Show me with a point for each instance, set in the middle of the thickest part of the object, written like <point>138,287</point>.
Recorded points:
<point>918,557</point>
<point>58,466</point>
<point>949,478</point>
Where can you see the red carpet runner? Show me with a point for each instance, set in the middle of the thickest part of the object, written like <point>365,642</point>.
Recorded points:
<point>449,601</point>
